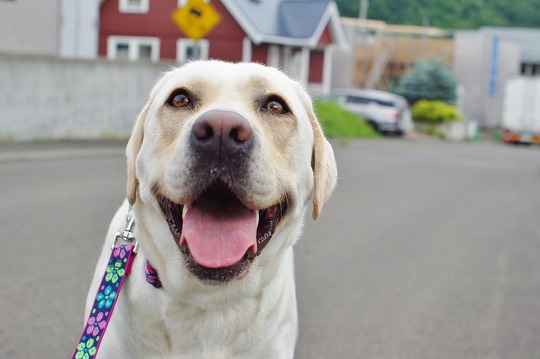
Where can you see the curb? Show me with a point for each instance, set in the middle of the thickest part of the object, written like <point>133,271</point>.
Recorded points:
<point>46,151</point>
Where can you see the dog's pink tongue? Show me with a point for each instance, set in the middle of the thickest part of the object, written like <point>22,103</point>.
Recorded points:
<point>219,236</point>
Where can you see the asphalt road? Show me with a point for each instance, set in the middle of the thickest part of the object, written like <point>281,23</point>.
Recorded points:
<point>427,250</point>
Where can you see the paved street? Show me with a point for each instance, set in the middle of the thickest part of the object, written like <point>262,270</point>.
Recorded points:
<point>427,250</point>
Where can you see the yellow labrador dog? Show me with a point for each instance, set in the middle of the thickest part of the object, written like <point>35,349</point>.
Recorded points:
<point>222,163</point>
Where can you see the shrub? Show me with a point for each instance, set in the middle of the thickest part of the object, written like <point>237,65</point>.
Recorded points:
<point>337,122</point>
<point>434,112</point>
<point>429,81</point>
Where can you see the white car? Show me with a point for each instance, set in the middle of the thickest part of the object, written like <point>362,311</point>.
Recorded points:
<point>385,112</point>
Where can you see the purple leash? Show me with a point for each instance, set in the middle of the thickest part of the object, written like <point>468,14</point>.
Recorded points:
<point>118,268</point>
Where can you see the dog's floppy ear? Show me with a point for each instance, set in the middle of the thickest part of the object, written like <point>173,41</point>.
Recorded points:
<point>136,140</point>
<point>323,164</point>
<point>132,150</point>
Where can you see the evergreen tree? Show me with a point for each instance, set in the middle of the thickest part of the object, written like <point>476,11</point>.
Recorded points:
<point>429,81</point>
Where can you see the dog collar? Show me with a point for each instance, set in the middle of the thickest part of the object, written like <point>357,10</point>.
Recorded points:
<point>152,276</point>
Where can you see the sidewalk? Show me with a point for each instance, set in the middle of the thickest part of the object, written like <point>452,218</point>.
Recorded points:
<point>48,150</point>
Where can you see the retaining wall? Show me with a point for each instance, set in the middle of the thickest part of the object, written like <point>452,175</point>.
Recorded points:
<point>50,98</point>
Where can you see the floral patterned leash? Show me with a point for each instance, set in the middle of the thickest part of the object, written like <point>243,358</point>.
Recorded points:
<point>118,268</point>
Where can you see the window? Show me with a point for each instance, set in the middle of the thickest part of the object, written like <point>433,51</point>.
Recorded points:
<point>122,51</point>
<point>530,69</point>
<point>187,49</point>
<point>134,6</point>
<point>133,48</point>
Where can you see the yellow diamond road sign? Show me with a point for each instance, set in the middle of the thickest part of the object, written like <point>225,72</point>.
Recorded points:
<point>196,18</point>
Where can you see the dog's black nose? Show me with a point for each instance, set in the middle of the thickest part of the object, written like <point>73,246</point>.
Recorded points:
<point>222,132</point>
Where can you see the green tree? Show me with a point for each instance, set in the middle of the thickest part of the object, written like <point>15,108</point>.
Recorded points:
<point>429,81</point>
<point>463,14</point>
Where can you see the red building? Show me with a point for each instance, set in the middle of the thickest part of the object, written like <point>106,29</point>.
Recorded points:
<point>297,36</point>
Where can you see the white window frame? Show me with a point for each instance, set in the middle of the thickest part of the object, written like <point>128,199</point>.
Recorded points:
<point>182,3</point>
<point>126,7</point>
<point>134,44</point>
<point>183,44</point>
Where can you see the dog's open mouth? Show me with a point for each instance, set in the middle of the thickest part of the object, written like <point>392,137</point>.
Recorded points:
<point>218,235</point>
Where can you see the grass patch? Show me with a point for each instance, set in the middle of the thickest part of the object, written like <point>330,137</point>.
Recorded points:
<point>113,136</point>
<point>7,137</point>
<point>337,122</point>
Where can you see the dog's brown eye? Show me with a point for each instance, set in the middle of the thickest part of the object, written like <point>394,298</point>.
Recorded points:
<point>179,100</point>
<point>276,106</point>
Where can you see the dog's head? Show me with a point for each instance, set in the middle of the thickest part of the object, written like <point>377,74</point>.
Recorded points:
<point>221,164</point>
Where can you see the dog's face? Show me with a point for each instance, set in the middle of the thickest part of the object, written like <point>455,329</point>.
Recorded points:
<point>221,164</point>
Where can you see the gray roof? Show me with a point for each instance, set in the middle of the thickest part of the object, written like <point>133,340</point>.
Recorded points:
<point>527,39</point>
<point>289,22</point>
<point>300,19</point>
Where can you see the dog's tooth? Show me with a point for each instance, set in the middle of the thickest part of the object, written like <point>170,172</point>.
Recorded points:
<point>184,210</point>
<point>258,217</point>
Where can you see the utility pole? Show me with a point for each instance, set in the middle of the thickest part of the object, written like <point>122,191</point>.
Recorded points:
<point>362,14</point>
<point>364,4</point>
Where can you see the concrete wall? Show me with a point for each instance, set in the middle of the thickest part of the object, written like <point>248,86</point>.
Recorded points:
<point>47,97</point>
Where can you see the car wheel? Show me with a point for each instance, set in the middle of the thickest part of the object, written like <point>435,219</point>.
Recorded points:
<point>373,125</point>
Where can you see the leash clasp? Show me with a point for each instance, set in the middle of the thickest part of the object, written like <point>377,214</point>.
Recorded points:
<point>127,234</point>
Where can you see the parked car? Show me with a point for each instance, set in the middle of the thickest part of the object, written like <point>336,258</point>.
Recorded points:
<point>385,112</point>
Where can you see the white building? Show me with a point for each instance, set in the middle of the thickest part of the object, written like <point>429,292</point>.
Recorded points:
<point>484,60</point>
<point>65,28</point>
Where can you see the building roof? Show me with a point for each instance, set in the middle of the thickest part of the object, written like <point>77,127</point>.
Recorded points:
<point>287,22</point>
<point>527,39</point>
<point>378,26</point>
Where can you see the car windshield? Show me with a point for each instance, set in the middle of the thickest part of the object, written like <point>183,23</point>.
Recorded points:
<point>367,100</point>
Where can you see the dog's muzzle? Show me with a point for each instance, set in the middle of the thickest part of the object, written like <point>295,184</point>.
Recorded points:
<point>218,233</point>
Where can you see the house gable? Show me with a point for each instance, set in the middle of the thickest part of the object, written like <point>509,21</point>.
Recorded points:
<point>326,37</point>
<point>288,23</point>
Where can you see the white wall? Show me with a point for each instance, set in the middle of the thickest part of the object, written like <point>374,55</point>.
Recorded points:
<point>473,58</point>
<point>29,26</point>
<point>67,28</point>
<point>79,28</point>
